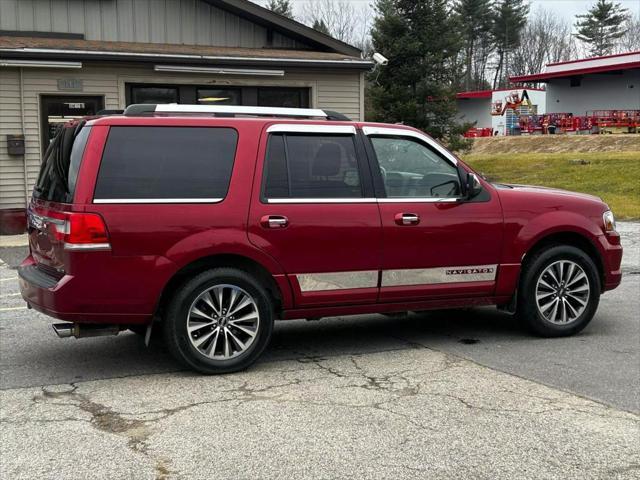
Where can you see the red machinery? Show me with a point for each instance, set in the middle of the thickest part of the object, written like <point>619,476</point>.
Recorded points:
<point>513,101</point>
<point>477,132</point>
<point>610,120</point>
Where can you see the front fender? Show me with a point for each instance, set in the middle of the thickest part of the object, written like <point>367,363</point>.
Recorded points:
<point>525,235</point>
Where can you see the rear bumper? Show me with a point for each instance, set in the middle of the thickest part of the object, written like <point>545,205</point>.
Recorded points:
<point>611,251</point>
<point>105,297</point>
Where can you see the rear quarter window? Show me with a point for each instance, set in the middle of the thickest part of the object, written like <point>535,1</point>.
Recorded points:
<point>60,165</point>
<point>166,163</point>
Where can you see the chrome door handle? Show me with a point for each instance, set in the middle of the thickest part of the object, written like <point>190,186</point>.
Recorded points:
<point>407,219</point>
<point>274,221</point>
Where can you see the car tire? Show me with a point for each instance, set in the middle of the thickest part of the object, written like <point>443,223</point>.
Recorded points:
<point>220,321</point>
<point>559,291</point>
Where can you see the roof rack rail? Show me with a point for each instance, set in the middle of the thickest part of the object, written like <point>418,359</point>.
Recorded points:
<point>231,111</point>
<point>107,111</point>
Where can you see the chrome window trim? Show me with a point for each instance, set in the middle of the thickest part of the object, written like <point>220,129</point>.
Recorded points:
<point>320,200</point>
<point>419,200</point>
<point>401,132</point>
<point>328,281</point>
<point>317,129</point>
<point>365,200</point>
<point>156,200</point>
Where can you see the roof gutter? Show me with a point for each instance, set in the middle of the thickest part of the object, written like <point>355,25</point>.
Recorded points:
<point>183,58</point>
<point>263,16</point>
<point>543,77</point>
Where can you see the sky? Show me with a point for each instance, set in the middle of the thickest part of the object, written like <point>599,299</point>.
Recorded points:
<point>564,8</point>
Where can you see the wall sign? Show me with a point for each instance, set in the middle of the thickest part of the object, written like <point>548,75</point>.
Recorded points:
<point>70,84</point>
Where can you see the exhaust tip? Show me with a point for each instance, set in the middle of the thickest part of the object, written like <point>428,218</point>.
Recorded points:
<point>81,330</point>
<point>63,330</point>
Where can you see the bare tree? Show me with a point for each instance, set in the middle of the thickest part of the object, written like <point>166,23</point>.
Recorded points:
<point>343,20</point>
<point>630,41</point>
<point>545,39</point>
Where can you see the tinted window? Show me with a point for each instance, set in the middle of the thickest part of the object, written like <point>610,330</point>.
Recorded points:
<point>76,157</point>
<point>312,166</point>
<point>154,95</point>
<point>277,180</point>
<point>60,164</point>
<point>411,169</point>
<point>283,97</point>
<point>166,163</point>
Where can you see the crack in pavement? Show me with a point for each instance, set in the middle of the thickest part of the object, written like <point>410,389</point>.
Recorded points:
<point>105,419</point>
<point>397,384</point>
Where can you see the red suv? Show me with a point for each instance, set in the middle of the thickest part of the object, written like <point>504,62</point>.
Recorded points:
<point>211,222</point>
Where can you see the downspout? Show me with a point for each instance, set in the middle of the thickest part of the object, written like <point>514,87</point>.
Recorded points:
<point>24,157</point>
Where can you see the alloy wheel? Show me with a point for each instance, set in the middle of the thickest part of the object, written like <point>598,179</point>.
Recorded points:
<point>562,292</point>
<point>223,322</point>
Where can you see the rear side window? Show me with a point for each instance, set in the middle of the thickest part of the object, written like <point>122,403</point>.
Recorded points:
<point>166,163</point>
<point>60,165</point>
<point>311,166</point>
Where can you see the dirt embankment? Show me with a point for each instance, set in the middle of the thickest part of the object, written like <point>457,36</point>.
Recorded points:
<point>556,144</point>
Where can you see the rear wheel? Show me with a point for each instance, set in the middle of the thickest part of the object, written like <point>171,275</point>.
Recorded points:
<point>560,291</point>
<point>219,322</point>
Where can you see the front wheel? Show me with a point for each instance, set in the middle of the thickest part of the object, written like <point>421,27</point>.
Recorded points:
<point>560,291</point>
<point>219,322</point>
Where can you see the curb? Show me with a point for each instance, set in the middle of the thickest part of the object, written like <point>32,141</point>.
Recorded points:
<point>14,240</point>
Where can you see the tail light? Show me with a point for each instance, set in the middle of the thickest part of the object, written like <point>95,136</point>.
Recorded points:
<point>81,231</point>
<point>86,231</point>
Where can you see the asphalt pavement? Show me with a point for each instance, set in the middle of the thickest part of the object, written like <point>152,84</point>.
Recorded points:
<point>446,394</point>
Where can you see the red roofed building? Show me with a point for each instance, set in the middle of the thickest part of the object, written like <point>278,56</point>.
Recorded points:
<point>611,82</point>
<point>497,112</point>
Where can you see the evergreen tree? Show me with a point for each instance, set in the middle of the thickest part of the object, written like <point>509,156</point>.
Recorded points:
<point>602,26</point>
<point>282,7</point>
<point>320,26</point>
<point>474,18</point>
<point>509,19</point>
<point>417,87</point>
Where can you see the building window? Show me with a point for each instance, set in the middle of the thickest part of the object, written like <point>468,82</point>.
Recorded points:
<point>283,97</point>
<point>219,96</point>
<point>289,97</point>
<point>575,81</point>
<point>149,94</point>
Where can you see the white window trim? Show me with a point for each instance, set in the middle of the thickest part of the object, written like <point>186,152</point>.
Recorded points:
<point>401,132</point>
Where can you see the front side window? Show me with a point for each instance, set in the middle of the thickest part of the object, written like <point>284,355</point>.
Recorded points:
<point>413,170</point>
<point>171,163</point>
<point>311,166</point>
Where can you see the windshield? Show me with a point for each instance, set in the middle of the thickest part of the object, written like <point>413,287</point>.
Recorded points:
<point>60,164</point>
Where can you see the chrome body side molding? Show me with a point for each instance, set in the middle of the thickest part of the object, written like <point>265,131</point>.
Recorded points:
<point>314,282</point>
<point>439,275</point>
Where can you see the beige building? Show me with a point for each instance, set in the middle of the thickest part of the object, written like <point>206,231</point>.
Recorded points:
<point>61,59</point>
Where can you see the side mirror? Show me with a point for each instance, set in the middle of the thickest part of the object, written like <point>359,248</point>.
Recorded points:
<point>473,186</point>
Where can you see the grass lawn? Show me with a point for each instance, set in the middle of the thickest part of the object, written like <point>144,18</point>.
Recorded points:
<point>612,176</point>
